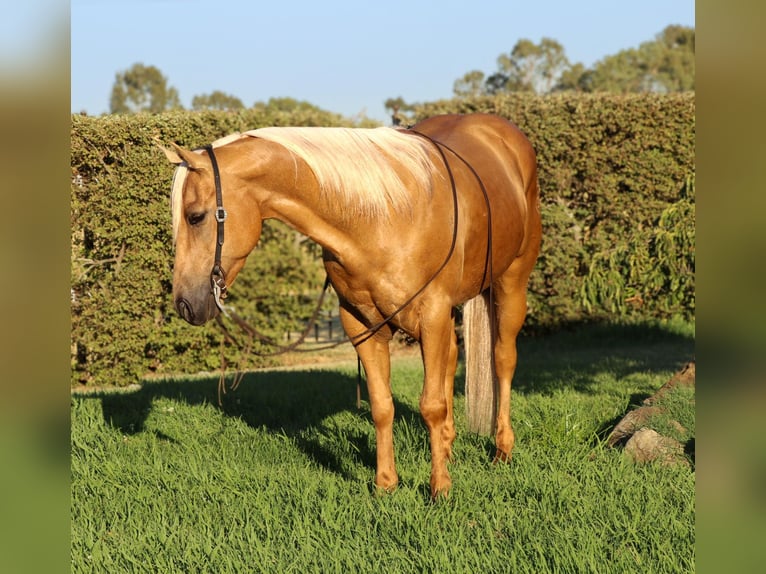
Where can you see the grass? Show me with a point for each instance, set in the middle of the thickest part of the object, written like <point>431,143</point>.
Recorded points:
<point>676,420</point>
<point>280,478</point>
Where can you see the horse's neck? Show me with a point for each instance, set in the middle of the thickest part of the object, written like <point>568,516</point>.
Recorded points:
<point>293,197</point>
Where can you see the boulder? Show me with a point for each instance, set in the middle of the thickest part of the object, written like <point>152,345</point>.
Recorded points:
<point>644,444</point>
<point>647,445</point>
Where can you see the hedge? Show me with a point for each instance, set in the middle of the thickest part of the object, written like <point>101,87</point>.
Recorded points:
<point>616,173</point>
<point>617,187</point>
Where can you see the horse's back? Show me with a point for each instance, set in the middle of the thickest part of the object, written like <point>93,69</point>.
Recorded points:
<point>449,126</point>
<point>486,140</point>
<point>461,131</point>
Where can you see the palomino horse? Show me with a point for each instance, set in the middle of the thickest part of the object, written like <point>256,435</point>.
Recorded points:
<point>411,224</point>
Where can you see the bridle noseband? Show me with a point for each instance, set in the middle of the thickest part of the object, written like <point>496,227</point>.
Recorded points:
<point>217,274</point>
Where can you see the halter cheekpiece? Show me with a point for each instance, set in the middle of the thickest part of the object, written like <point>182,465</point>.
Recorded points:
<point>217,274</point>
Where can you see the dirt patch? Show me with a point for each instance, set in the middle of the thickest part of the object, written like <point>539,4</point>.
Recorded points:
<point>340,355</point>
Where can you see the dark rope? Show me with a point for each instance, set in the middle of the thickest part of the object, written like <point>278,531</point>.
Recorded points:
<point>365,335</point>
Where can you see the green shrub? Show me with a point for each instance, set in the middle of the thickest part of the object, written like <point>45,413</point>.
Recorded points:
<point>651,270</point>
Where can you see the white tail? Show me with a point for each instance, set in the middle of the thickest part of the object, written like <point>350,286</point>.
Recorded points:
<point>480,376</point>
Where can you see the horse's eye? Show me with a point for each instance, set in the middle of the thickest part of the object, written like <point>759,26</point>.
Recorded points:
<point>195,218</point>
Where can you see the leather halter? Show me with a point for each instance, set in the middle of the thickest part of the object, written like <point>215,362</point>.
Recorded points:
<point>217,274</point>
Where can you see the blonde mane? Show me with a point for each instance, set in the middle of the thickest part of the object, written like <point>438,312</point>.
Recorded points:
<point>356,167</point>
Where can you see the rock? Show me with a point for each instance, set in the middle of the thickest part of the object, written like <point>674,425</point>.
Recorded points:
<point>647,445</point>
<point>630,423</point>
<point>644,444</point>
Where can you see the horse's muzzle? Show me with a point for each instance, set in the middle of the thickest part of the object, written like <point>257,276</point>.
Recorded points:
<point>185,310</point>
<point>196,318</point>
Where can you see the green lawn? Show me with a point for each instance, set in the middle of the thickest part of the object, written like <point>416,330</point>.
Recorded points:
<point>280,478</point>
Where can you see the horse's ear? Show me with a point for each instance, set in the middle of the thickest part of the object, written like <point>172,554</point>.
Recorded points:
<point>181,156</point>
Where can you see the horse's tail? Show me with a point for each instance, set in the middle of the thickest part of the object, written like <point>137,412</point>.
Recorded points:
<point>480,376</point>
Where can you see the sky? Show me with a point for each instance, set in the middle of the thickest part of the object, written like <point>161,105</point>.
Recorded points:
<point>343,56</point>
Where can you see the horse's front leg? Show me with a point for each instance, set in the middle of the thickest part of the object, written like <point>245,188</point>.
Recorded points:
<point>449,388</point>
<point>375,357</point>
<point>437,335</point>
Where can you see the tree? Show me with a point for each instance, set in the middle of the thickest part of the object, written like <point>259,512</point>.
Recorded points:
<point>142,89</point>
<point>530,67</point>
<point>216,101</point>
<point>574,79</point>
<point>285,104</point>
<point>398,108</point>
<point>621,72</point>
<point>665,64</point>
<point>677,65</point>
<point>470,85</point>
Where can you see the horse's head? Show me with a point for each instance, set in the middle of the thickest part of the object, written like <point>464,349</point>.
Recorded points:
<point>195,228</point>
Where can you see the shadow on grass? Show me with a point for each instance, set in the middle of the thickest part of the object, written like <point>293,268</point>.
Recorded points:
<point>292,402</point>
<point>575,356</point>
<point>288,402</point>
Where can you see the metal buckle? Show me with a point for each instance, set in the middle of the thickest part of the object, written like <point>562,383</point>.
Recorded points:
<point>219,288</point>
<point>220,215</point>
<point>219,293</point>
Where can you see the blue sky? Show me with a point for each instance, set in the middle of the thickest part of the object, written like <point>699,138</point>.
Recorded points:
<point>344,56</point>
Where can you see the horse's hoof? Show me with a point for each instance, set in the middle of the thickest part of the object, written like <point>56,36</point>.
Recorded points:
<point>383,487</point>
<point>381,491</point>
<point>440,494</point>
<point>501,456</point>
<point>440,489</point>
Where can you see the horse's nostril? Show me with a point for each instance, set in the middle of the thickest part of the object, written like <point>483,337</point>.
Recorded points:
<point>184,309</point>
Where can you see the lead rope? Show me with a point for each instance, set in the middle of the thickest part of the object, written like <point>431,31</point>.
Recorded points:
<point>488,257</point>
<point>358,383</point>
<point>253,333</point>
<point>219,287</point>
<point>370,331</point>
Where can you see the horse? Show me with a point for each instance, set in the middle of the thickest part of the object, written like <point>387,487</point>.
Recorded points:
<point>412,223</point>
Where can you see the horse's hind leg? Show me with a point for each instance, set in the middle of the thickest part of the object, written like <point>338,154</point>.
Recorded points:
<point>375,357</point>
<point>511,308</point>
